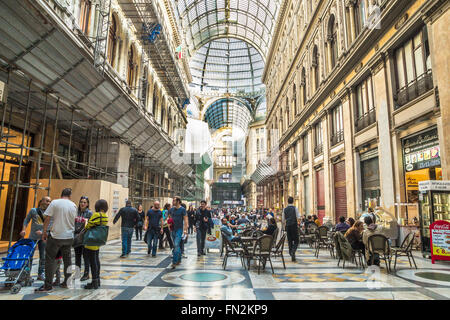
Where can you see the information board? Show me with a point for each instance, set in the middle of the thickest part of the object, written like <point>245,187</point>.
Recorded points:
<point>440,240</point>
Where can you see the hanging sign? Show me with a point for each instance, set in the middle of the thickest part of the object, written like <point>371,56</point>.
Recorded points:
<point>422,151</point>
<point>440,240</point>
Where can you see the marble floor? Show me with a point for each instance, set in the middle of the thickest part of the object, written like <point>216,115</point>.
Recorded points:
<point>142,277</point>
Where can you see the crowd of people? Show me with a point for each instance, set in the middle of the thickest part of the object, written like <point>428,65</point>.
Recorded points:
<point>57,227</point>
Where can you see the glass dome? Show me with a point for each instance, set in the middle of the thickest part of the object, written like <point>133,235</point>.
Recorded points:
<point>228,113</point>
<point>227,66</point>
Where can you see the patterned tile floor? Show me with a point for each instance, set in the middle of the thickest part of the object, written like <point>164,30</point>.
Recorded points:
<point>141,277</point>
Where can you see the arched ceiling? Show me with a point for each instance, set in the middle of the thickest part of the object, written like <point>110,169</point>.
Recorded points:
<point>249,20</point>
<point>228,66</point>
<point>228,112</point>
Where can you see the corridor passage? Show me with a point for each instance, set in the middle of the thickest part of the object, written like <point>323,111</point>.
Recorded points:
<point>141,277</point>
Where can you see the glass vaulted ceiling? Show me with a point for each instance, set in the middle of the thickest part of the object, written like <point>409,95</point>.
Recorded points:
<point>249,20</point>
<point>229,66</point>
<point>228,113</point>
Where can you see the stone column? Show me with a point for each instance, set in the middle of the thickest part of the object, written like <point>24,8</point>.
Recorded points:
<point>349,158</point>
<point>352,22</point>
<point>381,97</point>
<point>327,176</point>
<point>312,178</point>
<point>438,34</point>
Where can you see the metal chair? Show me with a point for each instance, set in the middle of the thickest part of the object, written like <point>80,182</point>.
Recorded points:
<point>231,250</point>
<point>323,241</point>
<point>263,251</point>
<point>379,244</point>
<point>278,250</point>
<point>405,250</point>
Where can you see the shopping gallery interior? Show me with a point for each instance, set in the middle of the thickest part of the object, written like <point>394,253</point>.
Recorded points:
<point>341,105</point>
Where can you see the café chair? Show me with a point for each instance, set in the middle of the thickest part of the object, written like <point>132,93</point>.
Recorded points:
<point>405,250</point>
<point>379,244</point>
<point>231,250</point>
<point>278,250</point>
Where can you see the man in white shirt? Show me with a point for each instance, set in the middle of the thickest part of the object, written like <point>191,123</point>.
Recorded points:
<point>62,213</point>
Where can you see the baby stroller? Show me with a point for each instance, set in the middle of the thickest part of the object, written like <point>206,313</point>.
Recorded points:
<point>17,265</point>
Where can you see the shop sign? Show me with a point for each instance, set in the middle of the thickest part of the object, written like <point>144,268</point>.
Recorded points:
<point>413,178</point>
<point>440,240</point>
<point>436,185</point>
<point>233,202</point>
<point>421,151</point>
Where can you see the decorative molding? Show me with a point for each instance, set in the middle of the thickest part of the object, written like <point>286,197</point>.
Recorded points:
<point>401,21</point>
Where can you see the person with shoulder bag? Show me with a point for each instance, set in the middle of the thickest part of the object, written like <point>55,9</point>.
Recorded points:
<point>93,240</point>
<point>83,215</point>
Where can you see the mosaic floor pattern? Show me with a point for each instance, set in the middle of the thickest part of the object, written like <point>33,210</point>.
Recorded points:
<point>142,277</point>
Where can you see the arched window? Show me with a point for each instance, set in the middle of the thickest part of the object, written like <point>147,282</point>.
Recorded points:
<point>131,72</point>
<point>303,86</point>
<point>112,41</point>
<point>315,67</point>
<point>85,14</point>
<point>332,42</point>
<point>294,99</point>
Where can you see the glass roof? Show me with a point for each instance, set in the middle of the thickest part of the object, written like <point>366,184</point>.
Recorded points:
<point>228,113</point>
<point>249,20</point>
<point>227,66</point>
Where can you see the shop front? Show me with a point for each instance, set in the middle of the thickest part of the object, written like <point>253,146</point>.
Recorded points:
<point>340,191</point>
<point>320,193</point>
<point>422,162</point>
<point>370,178</point>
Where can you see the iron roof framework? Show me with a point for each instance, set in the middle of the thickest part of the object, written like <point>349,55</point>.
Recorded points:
<point>228,41</point>
<point>227,65</point>
<point>228,113</point>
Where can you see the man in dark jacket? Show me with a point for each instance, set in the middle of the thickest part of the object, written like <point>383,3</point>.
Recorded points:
<point>129,217</point>
<point>290,220</point>
<point>202,224</point>
<point>154,225</point>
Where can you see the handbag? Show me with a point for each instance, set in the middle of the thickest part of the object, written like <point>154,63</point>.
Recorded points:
<point>96,236</point>
<point>78,239</point>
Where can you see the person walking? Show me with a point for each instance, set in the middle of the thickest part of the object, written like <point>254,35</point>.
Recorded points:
<point>129,217</point>
<point>140,222</point>
<point>202,222</point>
<point>62,212</point>
<point>154,224</point>
<point>83,215</point>
<point>191,219</point>
<point>180,225</point>
<point>99,218</point>
<point>166,230</point>
<point>290,219</point>
<point>36,216</point>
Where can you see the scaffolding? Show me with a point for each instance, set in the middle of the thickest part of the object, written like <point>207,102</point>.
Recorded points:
<point>101,40</point>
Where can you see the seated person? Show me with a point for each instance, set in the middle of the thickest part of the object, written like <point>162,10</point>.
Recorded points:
<point>271,227</point>
<point>308,222</point>
<point>316,220</point>
<point>227,231</point>
<point>342,226</point>
<point>372,229</point>
<point>354,236</point>
<point>243,220</point>
<point>350,222</point>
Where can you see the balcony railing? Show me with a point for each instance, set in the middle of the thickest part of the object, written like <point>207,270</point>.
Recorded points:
<point>318,149</point>
<point>414,89</point>
<point>365,120</point>
<point>337,137</point>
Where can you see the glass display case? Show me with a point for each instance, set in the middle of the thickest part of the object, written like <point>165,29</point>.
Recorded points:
<point>434,205</point>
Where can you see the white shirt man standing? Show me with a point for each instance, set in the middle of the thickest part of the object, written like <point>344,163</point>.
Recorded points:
<point>62,213</point>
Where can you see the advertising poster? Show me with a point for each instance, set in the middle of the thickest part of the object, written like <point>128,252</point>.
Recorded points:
<point>440,240</point>
<point>213,241</point>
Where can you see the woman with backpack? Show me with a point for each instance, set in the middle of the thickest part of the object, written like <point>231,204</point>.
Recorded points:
<point>83,215</point>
